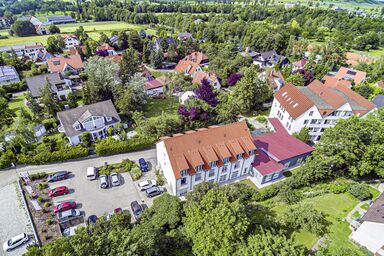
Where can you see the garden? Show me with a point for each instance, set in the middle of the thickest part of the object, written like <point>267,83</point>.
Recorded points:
<point>125,166</point>
<point>41,207</point>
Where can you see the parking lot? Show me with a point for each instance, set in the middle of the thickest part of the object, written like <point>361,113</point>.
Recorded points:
<point>92,200</point>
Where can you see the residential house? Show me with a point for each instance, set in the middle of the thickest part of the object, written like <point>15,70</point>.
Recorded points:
<point>370,233</point>
<point>77,50</point>
<point>353,59</point>
<point>270,59</point>
<point>106,47</point>
<point>66,64</point>
<point>70,41</point>
<point>60,86</point>
<point>299,65</point>
<point>188,67</point>
<point>331,81</point>
<point>168,41</point>
<point>199,58</point>
<point>317,107</point>
<point>277,152</point>
<point>378,101</point>
<point>210,76</point>
<point>21,50</point>
<point>276,80</point>
<point>41,27</point>
<point>113,39</point>
<point>154,87</point>
<point>42,55</point>
<point>60,19</point>
<point>95,119</point>
<point>8,75</point>
<point>356,76</point>
<point>184,36</point>
<point>217,154</point>
<point>185,96</point>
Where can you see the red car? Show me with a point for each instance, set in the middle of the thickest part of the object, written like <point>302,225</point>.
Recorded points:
<point>64,206</point>
<point>63,190</point>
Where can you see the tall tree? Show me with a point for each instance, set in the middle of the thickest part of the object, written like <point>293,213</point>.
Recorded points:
<point>22,28</point>
<point>51,106</point>
<point>6,114</point>
<point>129,65</point>
<point>205,92</point>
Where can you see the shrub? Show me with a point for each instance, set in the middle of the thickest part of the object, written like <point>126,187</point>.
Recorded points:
<point>37,176</point>
<point>40,199</point>
<point>136,172</point>
<point>86,139</point>
<point>41,186</point>
<point>159,178</point>
<point>46,205</point>
<point>261,119</point>
<point>45,157</point>
<point>50,123</point>
<point>6,159</point>
<point>126,165</point>
<point>339,187</point>
<point>110,146</point>
<point>360,191</point>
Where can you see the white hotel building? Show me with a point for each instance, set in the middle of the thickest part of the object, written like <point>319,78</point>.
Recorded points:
<point>317,107</point>
<point>214,154</point>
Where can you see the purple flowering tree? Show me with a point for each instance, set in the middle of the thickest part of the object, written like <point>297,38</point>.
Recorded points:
<point>233,79</point>
<point>205,92</point>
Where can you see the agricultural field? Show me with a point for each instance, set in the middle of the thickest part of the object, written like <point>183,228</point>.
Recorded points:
<point>92,28</point>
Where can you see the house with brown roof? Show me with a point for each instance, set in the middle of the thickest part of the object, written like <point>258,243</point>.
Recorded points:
<point>371,229</point>
<point>298,65</point>
<point>192,63</point>
<point>353,75</point>
<point>276,80</point>
<point>154,87</point>
<point>331,81</point>
<point>217,154</point>
<point>317,107</point>
<point>354,58</point>
<point>66,64</point>
<point>210,76</point>
<point>106,48</point>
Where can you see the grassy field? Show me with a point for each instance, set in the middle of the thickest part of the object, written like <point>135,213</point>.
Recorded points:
<point>335,207</point>
<point>18,102</point>
<point>92,28</point>
<point>155,107</point>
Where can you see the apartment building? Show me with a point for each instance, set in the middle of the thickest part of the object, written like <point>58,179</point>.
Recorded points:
<point>317,107</point>
<point>217,154</point>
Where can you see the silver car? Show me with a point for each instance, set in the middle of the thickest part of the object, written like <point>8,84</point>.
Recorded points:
<point>68,214</point>
<point>114,178</point>
<point>15,242</point>
<point>103,181</point>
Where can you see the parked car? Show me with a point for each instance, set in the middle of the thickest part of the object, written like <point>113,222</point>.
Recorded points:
<point>15,242</point>
<point>58,176</point>
<point>62,190</point>
<point>144,185</point>
<point>103,181</point>
<point>91,173</point>
<point>114,178</point>
<point>72,230</point>
<point>68,214</point>
<point>64,206</point>
<point>137,210</point>
<point>154,191</point>
<point>92,220</point>
<point>143,165</point>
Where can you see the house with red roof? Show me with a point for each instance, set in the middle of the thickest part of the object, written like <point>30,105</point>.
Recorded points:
<point>276,153</point>
<point>154,87</point>
<point>65,64</point>
<point>298,65</point>
<point>353,75</point>
<point>192,64</point>
<point>211,77</point>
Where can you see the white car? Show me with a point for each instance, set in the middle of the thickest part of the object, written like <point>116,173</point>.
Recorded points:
<point>144,185</point>
<point>103,181</point>
<point>15,242</point>
<point>114,178</point>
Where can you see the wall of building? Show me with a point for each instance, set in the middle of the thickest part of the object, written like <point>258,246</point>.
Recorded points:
<point>164,165</point>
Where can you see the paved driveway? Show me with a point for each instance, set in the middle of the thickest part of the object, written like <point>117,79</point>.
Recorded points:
<point>13,218</point>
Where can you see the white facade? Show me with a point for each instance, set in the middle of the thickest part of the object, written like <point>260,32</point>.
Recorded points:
<point>155,91</point>
<point>310,118</point>
<point>185,96</point>
<point>70,42</point>
<point>224,174</point>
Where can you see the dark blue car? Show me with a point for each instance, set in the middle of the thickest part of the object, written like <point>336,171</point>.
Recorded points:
<point>143,165</point>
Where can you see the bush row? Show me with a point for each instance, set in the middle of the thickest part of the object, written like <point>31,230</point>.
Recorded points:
<point>63,154</point>
<point>110,146</point>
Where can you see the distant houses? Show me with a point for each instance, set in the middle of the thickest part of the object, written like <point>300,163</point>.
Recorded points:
<point>20,50</point>
<point>8,75</point>
<point>60,19</point>
<point>68,64</point>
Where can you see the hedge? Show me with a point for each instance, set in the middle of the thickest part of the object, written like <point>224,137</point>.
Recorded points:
<point>111,146</point>
<point>45,157</point>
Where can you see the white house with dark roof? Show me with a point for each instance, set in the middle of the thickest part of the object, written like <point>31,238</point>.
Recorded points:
<point>317,107</point>
<point>60,85</point>
<point>217,154</point>
<point>95,119</point>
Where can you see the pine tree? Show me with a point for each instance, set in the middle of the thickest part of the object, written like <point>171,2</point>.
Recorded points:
<point>129,65</point>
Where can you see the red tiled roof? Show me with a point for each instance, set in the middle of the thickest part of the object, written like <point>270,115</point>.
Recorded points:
<point>187,151</point>
<point>57,64</point>
<point>186,66</point>
<point>152,84</point>
<point>331,81</point>
<point>210,76</point>
<point>300,63</point>
<point>196,57</point>
<point>356,75</point>
<point>327,95</point>
<point>355,58</point>
<point>294,101</point>
<point>115,58</point>
<point>266,165</point>
<point>35,45</point>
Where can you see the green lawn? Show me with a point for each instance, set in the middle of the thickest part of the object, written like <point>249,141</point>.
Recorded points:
<point>335,207</point>
<point>155,107</point>
<point>249,183</point>
<point>92,28</point>
<point>365,206</point>
<point>16,103</point>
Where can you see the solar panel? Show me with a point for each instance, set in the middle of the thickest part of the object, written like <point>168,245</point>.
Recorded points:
<point>351,72</point>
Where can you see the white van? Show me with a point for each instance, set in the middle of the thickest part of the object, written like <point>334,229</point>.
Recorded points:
<point>91,173</point>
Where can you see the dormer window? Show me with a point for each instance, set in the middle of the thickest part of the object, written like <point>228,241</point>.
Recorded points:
<point>184,173</point>
<point>199,168</point>
<point>251,152</point>
<point>226,160</point>
<point>108,118</point>
<point>77,128</point>
<point>239,156</point>
<point>213,164</point>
